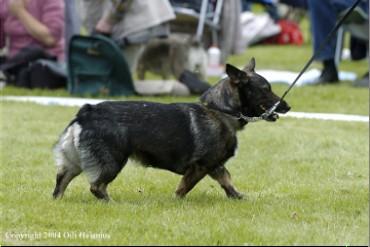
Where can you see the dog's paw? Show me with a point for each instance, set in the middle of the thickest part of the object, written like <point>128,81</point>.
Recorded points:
<point>236,195</point>
<point>179,196</point>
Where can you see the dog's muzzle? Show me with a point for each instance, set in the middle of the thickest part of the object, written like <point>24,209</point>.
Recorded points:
<point>271,115</point>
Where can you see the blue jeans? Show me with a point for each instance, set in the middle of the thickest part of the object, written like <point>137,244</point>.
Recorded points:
<point>323,15</point>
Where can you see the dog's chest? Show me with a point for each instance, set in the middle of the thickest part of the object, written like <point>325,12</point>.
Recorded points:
<point>214,139</point>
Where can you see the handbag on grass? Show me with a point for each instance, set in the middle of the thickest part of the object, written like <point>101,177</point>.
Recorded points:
<point>96,66</point>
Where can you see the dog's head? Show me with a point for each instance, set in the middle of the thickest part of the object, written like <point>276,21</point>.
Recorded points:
<point>245,92</point>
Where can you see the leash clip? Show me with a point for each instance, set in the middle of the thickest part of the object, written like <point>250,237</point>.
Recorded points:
<point>249,119</point>
<point>268,113</point>
<point>264,116</point>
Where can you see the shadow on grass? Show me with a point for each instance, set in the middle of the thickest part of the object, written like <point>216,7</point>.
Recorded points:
<point>163,201</point>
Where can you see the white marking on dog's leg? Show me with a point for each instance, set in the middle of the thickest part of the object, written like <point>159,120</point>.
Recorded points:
<point>67,159</point>
<point>76,135</point>
<point>66,151</point>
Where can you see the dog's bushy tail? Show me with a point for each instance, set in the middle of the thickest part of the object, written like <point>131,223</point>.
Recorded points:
<point>84,111</point>
<point>71,133</point>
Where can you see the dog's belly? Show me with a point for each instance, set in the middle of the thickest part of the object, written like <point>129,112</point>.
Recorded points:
<point>160,161</point>
<point>179,149</point>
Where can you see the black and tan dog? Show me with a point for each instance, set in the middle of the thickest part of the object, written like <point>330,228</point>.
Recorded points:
<point>190,139</point>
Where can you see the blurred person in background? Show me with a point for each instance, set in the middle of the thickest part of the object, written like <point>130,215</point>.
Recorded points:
<point>33,22</point>
<point>132,24</point>
<point>324,15</point>
<point>33,33</point>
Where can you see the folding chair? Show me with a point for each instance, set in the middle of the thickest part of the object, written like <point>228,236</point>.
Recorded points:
<point>212,22</point>
<point>357,25</point>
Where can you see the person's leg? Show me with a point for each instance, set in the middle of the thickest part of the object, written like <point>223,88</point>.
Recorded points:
<point>161,87</point>
<point>323,19</point>
<point>93,11</point>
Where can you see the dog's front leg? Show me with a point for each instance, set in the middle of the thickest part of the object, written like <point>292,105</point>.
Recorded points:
<point>191,177</point>
<point>222,176</point>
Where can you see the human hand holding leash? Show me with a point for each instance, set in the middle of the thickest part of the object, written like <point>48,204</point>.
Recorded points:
<point>115,14</point>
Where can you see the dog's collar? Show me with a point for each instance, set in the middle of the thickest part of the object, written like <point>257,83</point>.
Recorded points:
<point>243,119</point>
<point>251,119</point>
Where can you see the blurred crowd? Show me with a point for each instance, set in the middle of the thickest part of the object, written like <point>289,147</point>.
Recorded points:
<point>39,31</point>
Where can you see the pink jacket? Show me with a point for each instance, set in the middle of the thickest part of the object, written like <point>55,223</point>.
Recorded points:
<point>49,12</point>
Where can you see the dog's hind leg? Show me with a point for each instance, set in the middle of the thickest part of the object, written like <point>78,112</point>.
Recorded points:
<point>191,177</point>
<point>222,176</point>
<point>67,159</point>
<point>99,187</point>
<point>103,157</point>
<point>102,168</point>
<point>100,191</point>
<point>64,177</point>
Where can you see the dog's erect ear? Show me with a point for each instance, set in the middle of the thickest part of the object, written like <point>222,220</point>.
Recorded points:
<point>250,66</point>
<point>235,74</point>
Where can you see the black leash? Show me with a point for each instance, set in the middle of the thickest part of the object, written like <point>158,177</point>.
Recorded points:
<point>321,47</point>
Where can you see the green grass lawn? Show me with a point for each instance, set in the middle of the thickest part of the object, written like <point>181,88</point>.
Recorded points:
<point>305,181</point>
